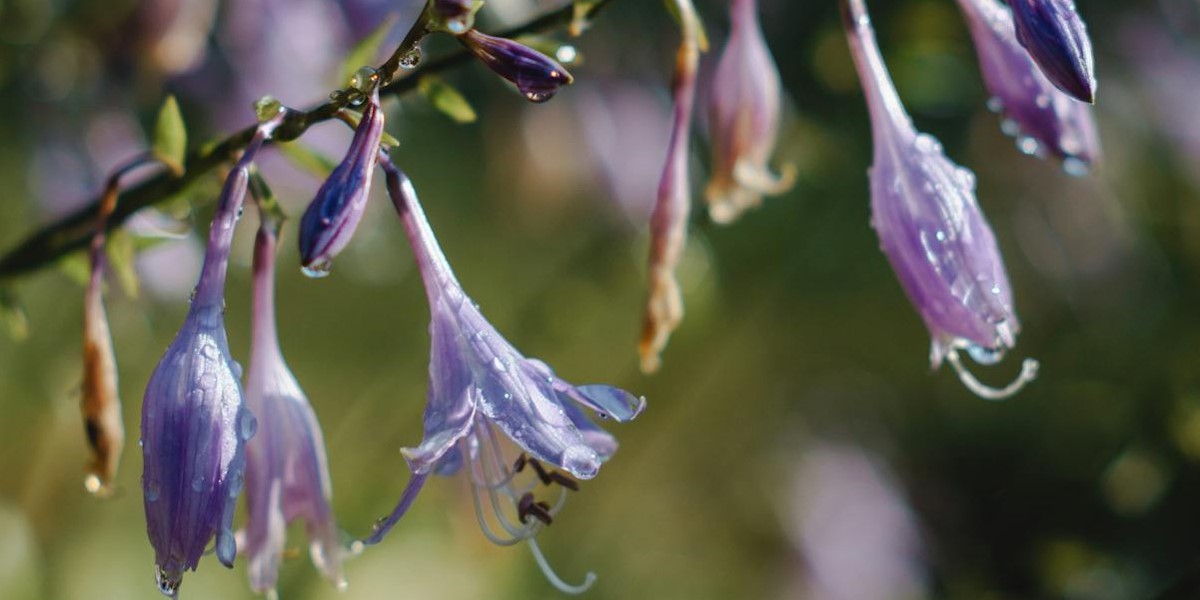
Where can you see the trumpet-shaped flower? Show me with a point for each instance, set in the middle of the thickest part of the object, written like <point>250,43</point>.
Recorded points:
<point>1044,119</point>
<point>332,217</point>
<point>1057,40</point>
<point>744,120</point>
<point>194,423</point>
<point>481,386</point>
<point>536,75</point>
<point>287,476</point>
<point>930,226</point>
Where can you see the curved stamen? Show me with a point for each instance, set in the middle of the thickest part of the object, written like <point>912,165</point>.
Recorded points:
<point>553,577</point>
<point>480,517</point>
<point>513,529</point>
<point>763,181</point>
<point>1029,371</point>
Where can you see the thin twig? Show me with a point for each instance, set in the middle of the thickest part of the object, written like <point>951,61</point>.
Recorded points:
<point>72,232</point>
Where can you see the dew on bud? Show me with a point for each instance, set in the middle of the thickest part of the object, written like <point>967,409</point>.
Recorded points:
<point>317,271</point>
<point>266,108</point>
<point>412,58</point>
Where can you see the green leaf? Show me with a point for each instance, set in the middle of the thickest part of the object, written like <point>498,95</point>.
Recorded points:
<point>12,316</point>
<point>121,256</point>
<point>367,49</point>
<point>306,159</point>
<point>446,99</point>
<point>355,118</point>
<point>76,266</point>
<point>170,136</point>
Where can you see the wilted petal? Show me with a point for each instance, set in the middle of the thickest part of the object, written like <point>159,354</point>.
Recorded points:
<point>536,75</point>
<point>333,216</point>
<point>1044,119</point>
<point>744,120</point>
<point>194,423</point>
<point>1057,40</point>
<point>930,226</point>
<point>287,476</point>
<point>669,220</point>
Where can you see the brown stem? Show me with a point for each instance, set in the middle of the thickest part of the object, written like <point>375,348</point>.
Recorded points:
<point>73,232</point>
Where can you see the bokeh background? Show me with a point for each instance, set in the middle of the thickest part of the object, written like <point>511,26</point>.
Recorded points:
<point>796,444</point>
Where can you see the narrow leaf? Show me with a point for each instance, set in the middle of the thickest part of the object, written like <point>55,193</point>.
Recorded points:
<point>121,260</point>
<point>76,266</point>
<point>367,49</point>
<point>12,316</point>
<point>306,159</point>
<point>170,136</point>
<point>448,100</point>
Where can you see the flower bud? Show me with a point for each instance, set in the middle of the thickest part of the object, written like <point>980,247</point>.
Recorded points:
<point>194,423</point>
<point>931,228</point>
<point>744,120</point>
<point>536,75</point>
<point>1057,40</point>
<point>1044,119</point>
<point>332,217</point>
<point>458,16</point>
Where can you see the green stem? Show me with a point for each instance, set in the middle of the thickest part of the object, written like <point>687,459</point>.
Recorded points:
<point>73,232</point>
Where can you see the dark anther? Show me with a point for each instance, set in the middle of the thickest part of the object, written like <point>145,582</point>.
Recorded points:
<point>541,471</point>
<point>565,481</point>
<point>520,464</point>
<point>527,507</point>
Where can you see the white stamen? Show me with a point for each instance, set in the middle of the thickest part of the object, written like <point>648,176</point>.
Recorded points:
<point>553,577</point>
<point>517,536</point>
<point>1029,371</point>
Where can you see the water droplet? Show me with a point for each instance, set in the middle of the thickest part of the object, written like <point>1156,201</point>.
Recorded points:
<point>92,484</point>
<point>566,54</point>
<point>458,26</point>
<point>317,270</point>
<point>151,491</point>
<point>209,351</point>
<point>941,236</point>
<point>1010,127</point>
<point>237,369</point>
<point>168,583</point>
<point>538,97</point>
<point>247,426</point>
<point>1043,100</point>
<point>198,483</point>
<point>141,443</point>
<point>966,177</point>
<point>208,382</point>
<point>1076,167</point>
<point>412,58</point>
<point>240,211</point>
<point>995,104</point>
<point>364,79</point>
<point>928,144</point>
<point>191,295</point>
<point>1028,145</point>
<point>498,365</point>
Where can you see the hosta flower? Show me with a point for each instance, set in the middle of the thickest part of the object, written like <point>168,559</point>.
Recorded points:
<point>332,217</point>
<point>287,477</point>
<point>194,424</point>
<point>536,75</point>
<point>673,206</point>
<point>481,390</point>
<point>930,227</point>
<point>1044,119</point>
<point>744,120</point>
<point>1057,40</point>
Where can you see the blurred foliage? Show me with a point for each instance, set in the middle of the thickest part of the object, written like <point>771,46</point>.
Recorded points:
<point>1084,486</point>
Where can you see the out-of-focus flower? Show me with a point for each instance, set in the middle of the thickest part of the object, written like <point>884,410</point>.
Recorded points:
<point>744,120</point>
<point>1057,40</point>
<point>536,75</point>
<point>287,476</point>
<point>1044,119</point>
<point>194,424</point>
<point>930,227</point>
<point>858,536</point>
<point>669,219</point>
<point>331,218</point>
<point>478,383</point>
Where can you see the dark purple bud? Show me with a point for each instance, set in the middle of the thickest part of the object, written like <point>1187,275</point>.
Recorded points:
<point>194,423</point>
<point>1042,118</point>
<point>334,214</point>
<point>536,75</point>
<point>1057,40</point>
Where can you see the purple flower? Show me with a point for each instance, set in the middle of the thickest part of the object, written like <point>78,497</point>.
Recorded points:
<point>331,218</point>
<point>536,75</point>
<point>481,386</point>
<point>930,227</point>
<point>1044,119</point>
<point>194,425</point>
<point>286,472</point>
<point>673,206</point>
<point>1057,40</point>
<point>744,120</point>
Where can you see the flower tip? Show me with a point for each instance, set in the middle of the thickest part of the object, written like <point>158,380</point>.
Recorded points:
<point>168,580</point>
<point>581,461</point>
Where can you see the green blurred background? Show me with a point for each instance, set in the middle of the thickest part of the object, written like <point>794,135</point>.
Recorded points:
<point>796,444</point>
